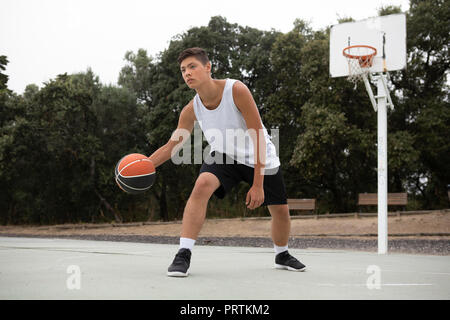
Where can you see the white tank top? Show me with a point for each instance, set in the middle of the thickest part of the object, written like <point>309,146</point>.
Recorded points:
<point>226,131</point>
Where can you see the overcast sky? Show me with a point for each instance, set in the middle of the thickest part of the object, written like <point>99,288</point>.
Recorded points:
<point>43,38</point>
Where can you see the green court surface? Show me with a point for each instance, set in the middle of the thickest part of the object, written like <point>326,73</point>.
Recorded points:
<point>36,268</point>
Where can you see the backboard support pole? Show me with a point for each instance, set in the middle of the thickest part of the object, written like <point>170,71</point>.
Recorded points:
<point>382,103</point>
<point>369,91</point>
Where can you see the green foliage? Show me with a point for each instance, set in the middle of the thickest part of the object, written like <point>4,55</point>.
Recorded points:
<point>59,144</point>
<point>386,10</point>
<point>3,77</point>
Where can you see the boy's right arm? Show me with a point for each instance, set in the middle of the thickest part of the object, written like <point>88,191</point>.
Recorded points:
<point>178,138</point>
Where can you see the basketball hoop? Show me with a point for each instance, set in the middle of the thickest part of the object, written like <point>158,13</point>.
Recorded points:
<point>358,43</point>
<point>360,59</point>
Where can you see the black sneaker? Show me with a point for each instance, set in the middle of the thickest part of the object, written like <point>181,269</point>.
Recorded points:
<point>180,265</point>
<point>284,260</point>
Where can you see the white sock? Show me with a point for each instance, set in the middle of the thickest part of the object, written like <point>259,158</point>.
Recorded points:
<point>187,243</point>
<point>279,249</point>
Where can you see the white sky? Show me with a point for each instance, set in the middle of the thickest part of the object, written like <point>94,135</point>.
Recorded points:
<point>43,38</point>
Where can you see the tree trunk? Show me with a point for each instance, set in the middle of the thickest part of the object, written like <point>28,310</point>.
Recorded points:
<point>164,214</point>
<point>116,213</point>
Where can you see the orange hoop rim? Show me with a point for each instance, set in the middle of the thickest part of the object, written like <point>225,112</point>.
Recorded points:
<point>359,57</point>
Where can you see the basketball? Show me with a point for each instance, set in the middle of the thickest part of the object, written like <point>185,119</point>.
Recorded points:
<point>135,173</point>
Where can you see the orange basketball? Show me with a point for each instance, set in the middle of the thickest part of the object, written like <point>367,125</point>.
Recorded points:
<point>135,173</point>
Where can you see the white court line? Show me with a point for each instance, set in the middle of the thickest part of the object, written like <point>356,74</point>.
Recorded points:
<point>403,271</point>
<point>59,260</point>
<point>365,285</point>
<point>406,284</point>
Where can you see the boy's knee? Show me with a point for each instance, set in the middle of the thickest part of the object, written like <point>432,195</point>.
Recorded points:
<point>205,186</point>
<point>279,211</point>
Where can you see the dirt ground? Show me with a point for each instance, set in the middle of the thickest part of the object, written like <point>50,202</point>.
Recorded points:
<point>435,224</point>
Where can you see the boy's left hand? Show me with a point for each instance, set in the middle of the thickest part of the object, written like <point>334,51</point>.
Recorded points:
<point>255,197</point>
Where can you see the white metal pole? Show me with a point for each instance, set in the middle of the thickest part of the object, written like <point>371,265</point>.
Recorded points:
<point>369,91</point>
<point>382,166</point>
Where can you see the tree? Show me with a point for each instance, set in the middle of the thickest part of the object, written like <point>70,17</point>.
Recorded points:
<point>3,77</point>
<point>60,148</point>
<point>424,89</point>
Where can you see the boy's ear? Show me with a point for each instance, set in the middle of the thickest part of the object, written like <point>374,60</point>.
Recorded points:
<point>208,66</point>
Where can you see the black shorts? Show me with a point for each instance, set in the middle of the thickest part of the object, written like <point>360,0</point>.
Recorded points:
<point>230,173</point>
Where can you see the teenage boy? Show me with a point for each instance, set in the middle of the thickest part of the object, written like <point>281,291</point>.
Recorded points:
<point>221,107</point>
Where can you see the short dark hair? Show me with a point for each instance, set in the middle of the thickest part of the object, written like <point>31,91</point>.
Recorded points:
<point>199,53</point>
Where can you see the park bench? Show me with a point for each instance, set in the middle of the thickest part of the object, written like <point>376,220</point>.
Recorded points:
<point>394,199</point>
<point>302,204</point>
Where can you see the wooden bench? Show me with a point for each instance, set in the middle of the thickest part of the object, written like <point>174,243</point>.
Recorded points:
<point>302,204</point>
<point>394,199</point>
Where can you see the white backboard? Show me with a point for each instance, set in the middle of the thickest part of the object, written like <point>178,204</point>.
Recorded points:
<point>370,32</point>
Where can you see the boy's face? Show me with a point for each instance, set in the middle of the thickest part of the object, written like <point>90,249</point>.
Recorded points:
<point>194,72</point>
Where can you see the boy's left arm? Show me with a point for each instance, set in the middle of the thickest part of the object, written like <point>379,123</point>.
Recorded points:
<point>247,106</point>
